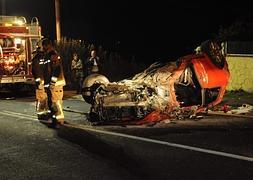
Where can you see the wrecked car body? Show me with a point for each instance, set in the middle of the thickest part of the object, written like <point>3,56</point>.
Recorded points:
<point>177,89</point>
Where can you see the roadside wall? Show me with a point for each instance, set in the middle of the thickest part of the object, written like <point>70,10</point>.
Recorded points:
<point>241,72</point>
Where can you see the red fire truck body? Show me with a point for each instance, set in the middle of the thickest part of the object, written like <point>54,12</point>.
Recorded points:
<point>18,40</point>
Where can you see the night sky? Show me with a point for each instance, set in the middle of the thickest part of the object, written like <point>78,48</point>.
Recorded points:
<point>152,30</point>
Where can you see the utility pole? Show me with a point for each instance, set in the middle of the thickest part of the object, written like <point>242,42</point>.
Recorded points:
<point>3,8</point>
<point>57,20</point>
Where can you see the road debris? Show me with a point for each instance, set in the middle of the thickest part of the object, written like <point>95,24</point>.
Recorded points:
<point>245,108</point>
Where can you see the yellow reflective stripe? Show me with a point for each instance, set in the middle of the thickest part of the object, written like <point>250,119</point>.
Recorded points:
<point>54,79</point>
<point>37,79</point>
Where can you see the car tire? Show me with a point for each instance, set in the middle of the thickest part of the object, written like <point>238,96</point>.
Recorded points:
<point>214,52</point>
<point>90,84</point>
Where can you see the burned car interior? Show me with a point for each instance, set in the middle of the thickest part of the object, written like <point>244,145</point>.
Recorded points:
<point>176,89</point>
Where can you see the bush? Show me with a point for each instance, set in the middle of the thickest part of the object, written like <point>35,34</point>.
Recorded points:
<point>114,66</point>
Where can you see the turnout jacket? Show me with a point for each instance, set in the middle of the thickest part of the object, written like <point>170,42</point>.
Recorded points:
<point>53,70</point>
<point>38,67</point>
<point>47,69</point>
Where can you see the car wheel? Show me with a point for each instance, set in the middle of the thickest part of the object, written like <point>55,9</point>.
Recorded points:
<point>90,84</point>
<point>214,52</point>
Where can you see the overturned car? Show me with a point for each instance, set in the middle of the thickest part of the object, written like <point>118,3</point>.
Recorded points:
<point>177,89</point>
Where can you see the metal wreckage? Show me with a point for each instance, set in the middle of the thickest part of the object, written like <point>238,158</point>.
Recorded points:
<point>173,90</point>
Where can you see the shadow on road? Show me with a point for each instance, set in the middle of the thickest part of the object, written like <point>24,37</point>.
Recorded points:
<point>9,95</point>
<point>92,143</point>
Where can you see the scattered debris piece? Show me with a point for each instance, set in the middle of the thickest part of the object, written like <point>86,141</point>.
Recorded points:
<point>245,108</point>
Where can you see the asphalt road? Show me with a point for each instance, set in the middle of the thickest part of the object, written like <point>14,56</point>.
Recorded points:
<point>211,148</point>
<point>30,150</point>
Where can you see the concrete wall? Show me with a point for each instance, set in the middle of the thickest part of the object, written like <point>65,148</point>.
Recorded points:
<point>241,72</point>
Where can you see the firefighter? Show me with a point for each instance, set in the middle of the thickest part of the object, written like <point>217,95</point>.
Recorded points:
<point>37,71</point>
<point>53,81</point>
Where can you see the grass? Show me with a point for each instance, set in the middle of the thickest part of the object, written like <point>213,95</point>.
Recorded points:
<point>237,98</point>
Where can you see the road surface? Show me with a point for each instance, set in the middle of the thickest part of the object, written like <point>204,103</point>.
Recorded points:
<point>212,148</point>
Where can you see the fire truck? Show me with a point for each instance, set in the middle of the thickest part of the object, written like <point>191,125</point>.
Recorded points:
<point>18,40</point>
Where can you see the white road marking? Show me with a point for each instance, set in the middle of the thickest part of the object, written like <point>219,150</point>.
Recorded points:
<point>19,116</point>
<point>192,148</point>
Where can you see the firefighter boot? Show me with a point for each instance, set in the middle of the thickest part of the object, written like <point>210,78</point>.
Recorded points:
<point>58,112</point>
